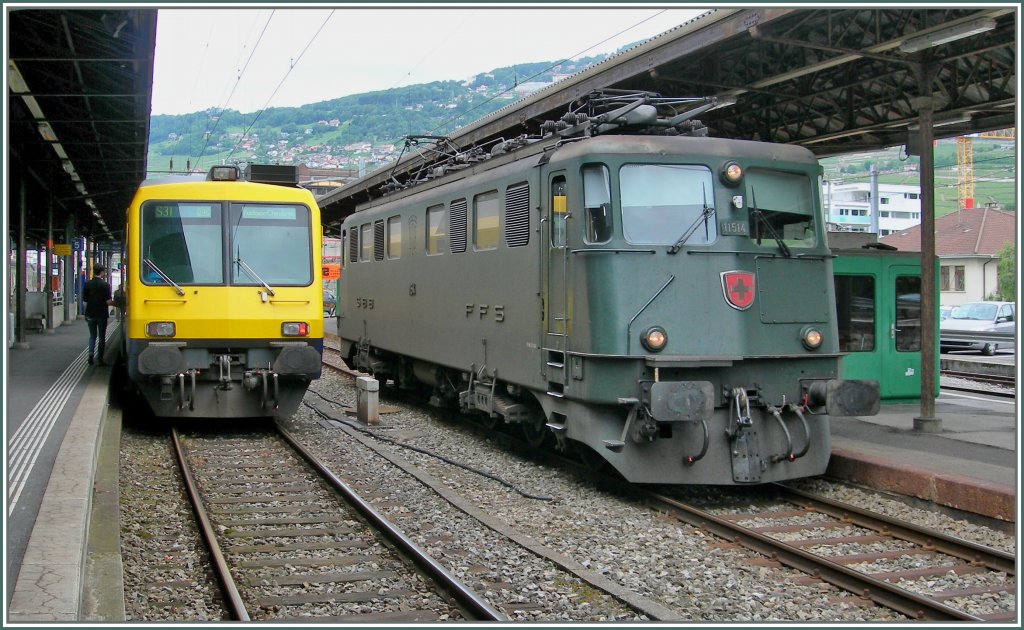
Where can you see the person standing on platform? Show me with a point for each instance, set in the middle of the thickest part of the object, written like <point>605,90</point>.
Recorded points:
<point>97,298</point>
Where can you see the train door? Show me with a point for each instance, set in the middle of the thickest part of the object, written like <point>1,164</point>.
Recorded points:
<point>556,303</point>
<point>901,350</point>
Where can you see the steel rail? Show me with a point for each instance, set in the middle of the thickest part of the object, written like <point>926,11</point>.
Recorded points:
<point>883,593</point>
<point>993,379</point>
<point>994,559</point>
<point>232,596</point>
<point>463,595</point>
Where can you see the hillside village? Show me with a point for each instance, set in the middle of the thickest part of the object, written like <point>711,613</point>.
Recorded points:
<point>354,134</point>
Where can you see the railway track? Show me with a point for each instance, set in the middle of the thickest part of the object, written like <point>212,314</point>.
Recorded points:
<point>1009,382</point>
<point>290,542</point>
<point>886,561</point>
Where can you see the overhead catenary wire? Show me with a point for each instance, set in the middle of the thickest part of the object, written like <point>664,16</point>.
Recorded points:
<point>537,74</point>
<point>291,66</point>
<point>209,132</point>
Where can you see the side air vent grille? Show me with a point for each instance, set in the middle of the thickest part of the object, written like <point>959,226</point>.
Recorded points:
<point>517,215</point>
<point>378,240</point>
<point>457,237</point>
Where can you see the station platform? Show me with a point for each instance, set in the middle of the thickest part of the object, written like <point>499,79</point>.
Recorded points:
<point>970,463</point>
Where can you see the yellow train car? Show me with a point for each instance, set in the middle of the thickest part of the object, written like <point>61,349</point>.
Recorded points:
<point>224,310</point>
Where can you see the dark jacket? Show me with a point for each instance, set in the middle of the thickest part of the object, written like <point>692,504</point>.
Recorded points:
<point>96,296</point>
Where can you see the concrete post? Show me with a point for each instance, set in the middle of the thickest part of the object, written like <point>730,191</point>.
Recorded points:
<point>368,400</point>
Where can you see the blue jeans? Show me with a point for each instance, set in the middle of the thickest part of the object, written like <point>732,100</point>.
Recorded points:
<point>97,330</point>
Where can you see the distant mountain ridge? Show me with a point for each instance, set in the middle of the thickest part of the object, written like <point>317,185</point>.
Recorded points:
<point>360,130</point>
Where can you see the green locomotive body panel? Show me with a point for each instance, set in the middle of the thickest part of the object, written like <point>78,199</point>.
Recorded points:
<point>621,289</point>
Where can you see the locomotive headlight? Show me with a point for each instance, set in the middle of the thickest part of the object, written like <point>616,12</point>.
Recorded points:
<point>732,173</point>
<point>654,339</point>
<point>294,329</point>
<point>223,173</point>
<point>811,337</point>
<point>160,329</point>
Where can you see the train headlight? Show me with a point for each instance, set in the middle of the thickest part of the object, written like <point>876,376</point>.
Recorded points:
<point>223,174</point>
<point>294,329</point>
<point>811,338</point>
<point>732,173</point>
<point>654,339</point>
<point>160,329</point>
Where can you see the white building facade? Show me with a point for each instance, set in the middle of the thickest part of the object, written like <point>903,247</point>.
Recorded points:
<point>848,207</point>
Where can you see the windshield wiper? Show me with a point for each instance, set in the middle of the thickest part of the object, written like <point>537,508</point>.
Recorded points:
<point>241,264</point>
<point>166,278</point>
<point>759,215</point>
<point>705,214</point>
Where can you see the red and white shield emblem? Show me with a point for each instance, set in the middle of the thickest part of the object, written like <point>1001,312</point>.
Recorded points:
<point>738,288</point>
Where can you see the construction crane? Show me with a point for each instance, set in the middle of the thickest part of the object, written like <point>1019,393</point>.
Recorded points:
<point>965,164</point>
<point>965,172</point>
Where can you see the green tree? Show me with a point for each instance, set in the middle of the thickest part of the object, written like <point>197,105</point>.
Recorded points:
<point>1008,271</point>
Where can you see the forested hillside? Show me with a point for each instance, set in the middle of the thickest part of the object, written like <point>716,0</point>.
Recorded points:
<point>361,129</point>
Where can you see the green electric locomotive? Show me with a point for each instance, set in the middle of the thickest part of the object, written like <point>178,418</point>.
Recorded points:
<point>623,286</point>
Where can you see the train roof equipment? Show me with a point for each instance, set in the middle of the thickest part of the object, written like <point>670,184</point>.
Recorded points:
<point>608,111</point>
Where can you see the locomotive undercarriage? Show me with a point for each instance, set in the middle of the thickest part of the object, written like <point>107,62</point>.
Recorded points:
<point>685,432</point>
<point>177,380</point>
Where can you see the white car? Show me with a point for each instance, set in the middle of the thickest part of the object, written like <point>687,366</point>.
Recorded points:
<point>975,318</point>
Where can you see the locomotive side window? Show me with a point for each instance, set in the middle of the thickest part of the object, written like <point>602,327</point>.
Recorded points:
<point>394,237</point>
<point>485,221</point>
<point>781,207</point>
<point>517,215</point>
<point>559,211</point>
<point>855,308</point>
<point>183,241</point>
<point>597,198</point>
<point>437,236</point>
<point>457,226</point>
<point>661,201</point>
<point>257,254</point>
<point>365,242</point>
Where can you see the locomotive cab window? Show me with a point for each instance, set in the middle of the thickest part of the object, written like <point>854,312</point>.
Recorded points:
<point>781,208</point>
<point>182,242</point>
<point>270,244</point>
<point>660,202</point>
<point>597,203</point>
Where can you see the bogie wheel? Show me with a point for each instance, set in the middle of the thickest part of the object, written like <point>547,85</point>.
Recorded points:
<point>490,422</point>
<point>536,432</point>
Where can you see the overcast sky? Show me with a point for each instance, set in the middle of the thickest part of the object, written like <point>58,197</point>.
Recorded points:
<point>239,58</point>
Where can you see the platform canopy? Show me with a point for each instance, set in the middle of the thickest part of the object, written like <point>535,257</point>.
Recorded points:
<point>836,80</point>
<point>78,104</point>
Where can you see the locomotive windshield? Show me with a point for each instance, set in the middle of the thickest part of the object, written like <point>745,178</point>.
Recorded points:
<point>183,240</point>
<point>273,240</point>
<point>781,208</point>
<point>660,201</point>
